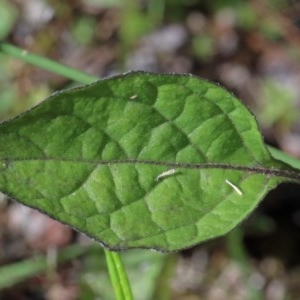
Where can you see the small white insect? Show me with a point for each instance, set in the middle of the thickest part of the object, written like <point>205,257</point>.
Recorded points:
<point>133,97</point>
<point>234,187</point>
<point>165,174</point>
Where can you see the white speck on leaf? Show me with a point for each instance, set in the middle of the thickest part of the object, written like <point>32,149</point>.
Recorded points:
<point>234,187</point>
<point>165,174</point>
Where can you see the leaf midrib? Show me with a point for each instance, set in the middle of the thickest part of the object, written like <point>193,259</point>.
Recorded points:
<point>288,174</point>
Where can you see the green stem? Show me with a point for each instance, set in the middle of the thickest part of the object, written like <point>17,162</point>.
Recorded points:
<point>46,64</point>
<point>118,276</point>
<point>114,275</point>
<point>123,279</point>
<point>117,271</point>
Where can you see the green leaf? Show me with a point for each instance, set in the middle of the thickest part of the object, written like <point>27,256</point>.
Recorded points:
<point>140,160</point>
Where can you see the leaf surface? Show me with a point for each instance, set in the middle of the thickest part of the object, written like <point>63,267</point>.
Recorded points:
<point>140,160</point>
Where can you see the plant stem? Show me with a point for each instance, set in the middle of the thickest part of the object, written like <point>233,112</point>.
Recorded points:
<point>46,64</point>
<point>122,276</point>
<point>116,268</point>
<point>114,275</point>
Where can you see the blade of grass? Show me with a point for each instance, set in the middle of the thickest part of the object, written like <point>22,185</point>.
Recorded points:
<point>20,271</point>
<point>117,271</point>
<point>46,64</point>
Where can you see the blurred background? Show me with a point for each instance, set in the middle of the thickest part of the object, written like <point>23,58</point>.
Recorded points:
<point>250,47</point>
